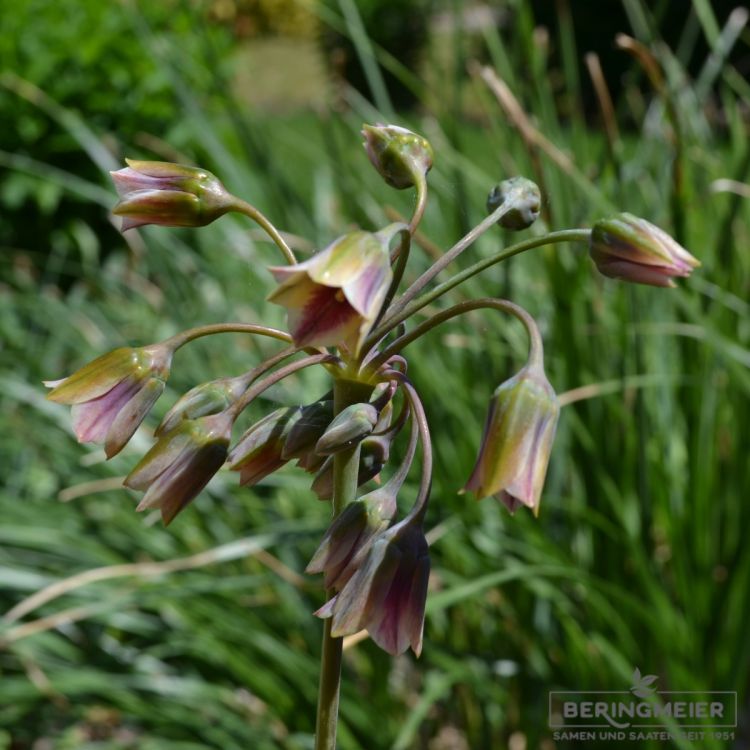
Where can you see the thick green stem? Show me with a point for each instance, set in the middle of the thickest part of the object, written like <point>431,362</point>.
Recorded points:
<point>345,476</point>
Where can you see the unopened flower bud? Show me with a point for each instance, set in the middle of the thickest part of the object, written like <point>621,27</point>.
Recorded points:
<point>401,157</point>
<point>172,195</point>
<point>349,427</point>
<point>517,441</point>
<point>112,395</point>
<point>306,431</point>
<point>207,398</point>
<point>632,249</point>
<point>522,199</point>
<point>181,464</point>
<point>259,452</point>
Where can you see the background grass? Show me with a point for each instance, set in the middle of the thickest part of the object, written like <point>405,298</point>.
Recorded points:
<point>638,558</point>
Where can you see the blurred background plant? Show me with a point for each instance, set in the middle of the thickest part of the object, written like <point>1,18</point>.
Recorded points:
<point>201,635</point>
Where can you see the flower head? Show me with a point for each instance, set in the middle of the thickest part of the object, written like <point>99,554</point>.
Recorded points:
<point>112,395</point>
<point>181,464</point>
<point>259,452</point>
<point>386,594</point>
<point>173,195</point>
<point>517,440</point>
<point>630,248</point>
<point>400,156</point>
<point>334,298</point>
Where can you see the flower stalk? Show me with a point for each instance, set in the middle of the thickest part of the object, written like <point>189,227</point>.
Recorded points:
<point>345,476</point>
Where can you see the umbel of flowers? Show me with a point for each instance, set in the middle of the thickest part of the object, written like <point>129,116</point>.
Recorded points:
<point>346,312</point>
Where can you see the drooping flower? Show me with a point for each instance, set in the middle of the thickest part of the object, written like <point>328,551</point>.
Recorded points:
<point>181,464</point>
<point>386,594</point>
<point>632,249</point>
<point>400,156</point>
<point>259,452</point>
<point>334,298</point>
<point>350,535</point>
<point>172,195</point>
<point>517,440</point>
<point>112,395</point>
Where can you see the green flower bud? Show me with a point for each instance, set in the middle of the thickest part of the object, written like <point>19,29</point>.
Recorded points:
<point>172,195</point>
<point>401,157</point>
<point>349,427</point>
<point>522,199</point>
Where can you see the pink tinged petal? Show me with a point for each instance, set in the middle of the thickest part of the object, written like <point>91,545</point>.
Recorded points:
<point>401,620</point>
<point>326,610</point>
<point>339,539</point>
<point>174,208</point>
<point>93,419</point>
<point>365,591</point>
<point>642,274</point>
<point>264,463</point>
<point>131,415</point>
<point>326,319</point>
<point>178,485</point>
<point>164,453</point>
<point>97,377</point>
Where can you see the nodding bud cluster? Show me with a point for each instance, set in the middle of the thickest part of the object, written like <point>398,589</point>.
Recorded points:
<point>633,249</point>
<point>522,200</point>
<point>401,157</point>
<point>172,195</point>
<point>375,566</point>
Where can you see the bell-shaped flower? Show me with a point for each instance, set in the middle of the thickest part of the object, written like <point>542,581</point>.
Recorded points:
<point>259,452</point>
<point>350,426</point>
<point>112,395</point>
<point>350,534</point>
<point>181,464</point>
<point>517,440</point>
<point>401,157</point>
<point>172,195</point>
<point>207,398</point>
<point>334,298</point>
<point>386,594</point>
<point>632,249</point>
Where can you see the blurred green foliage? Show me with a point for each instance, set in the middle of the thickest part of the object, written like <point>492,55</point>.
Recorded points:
<point>639,556</point>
